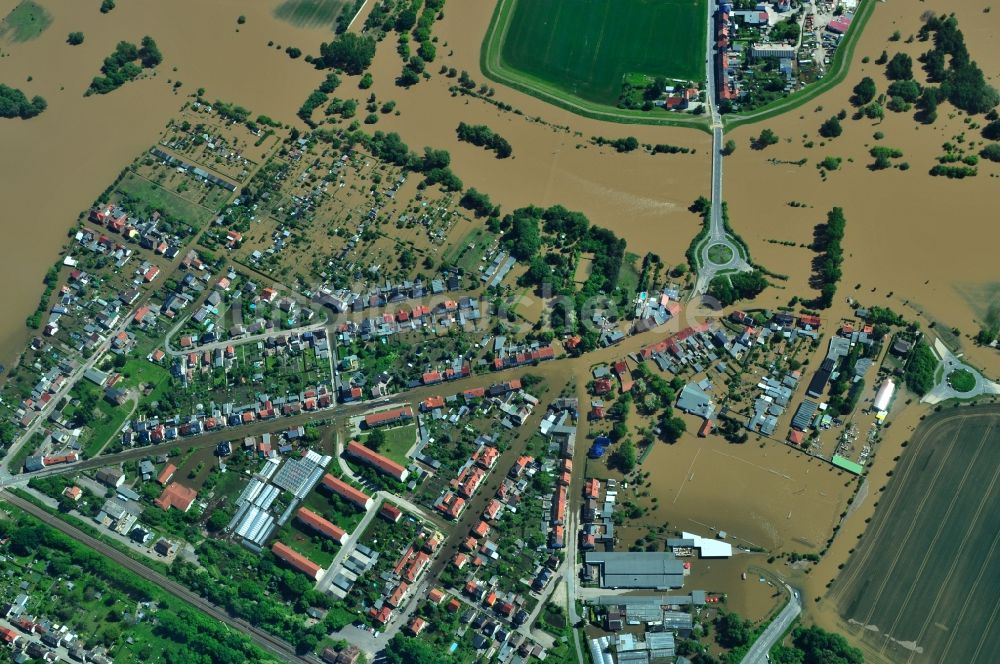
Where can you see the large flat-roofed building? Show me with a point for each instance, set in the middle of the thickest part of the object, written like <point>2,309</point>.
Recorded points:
<point>772,51</point>
<point>636,569</point>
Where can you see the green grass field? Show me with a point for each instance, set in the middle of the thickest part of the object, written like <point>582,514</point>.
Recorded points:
<point>310,13</point>
<point>159,198</point>
<point>927,571</point>
<point>26,21</point>
<point>585,47</point>
<point>398,441</point>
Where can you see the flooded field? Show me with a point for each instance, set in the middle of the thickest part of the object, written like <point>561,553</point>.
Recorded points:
<point>910,236</point>
<point>770,497</point>
<point>56,164</point>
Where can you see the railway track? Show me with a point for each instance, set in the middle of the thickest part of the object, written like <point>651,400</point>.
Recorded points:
<point>268,642</point>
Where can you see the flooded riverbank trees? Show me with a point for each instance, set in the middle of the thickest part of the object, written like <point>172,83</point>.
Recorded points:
<point>484,137</point>
<point>125,64</point>
<point>830,258</point>
<point>15,104</point>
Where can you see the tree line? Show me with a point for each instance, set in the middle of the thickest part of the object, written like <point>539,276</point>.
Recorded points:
<point>484,137</point>
<point>827,265</point>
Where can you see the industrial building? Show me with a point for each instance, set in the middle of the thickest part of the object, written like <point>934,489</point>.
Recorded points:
<point>635,569</point>
<point>707,548</point>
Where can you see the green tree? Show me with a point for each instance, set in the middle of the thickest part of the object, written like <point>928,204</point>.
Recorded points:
<point>671,428</point>
<point>624,458</point>
<point>908,90</point>
<point>921,368</point>
<point>14,104</point>
<point>991,152</point>
<point>348,51</point>
<point>407,650</point>
<point>375,440</point>
<point>729,147</point>
<point>831,128</point>
<point>149,53</point>
<point>732,631</point>
<point>900,67</point>
<point>864,91</point>
<point>767,137</point>
<point>74,38</point>
<point>107,5</point>
<point>992,131</point>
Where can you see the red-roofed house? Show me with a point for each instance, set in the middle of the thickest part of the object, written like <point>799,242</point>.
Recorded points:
<point>486,456</point>
<point>177,496</point>
<point>398,594</point>
<point>432,403</point>
<point>382,616</point>
<point>402,414</point>
<point>417,626</point>
<point>492,509</point>
<point>347,492</point>
<point>165,474</point>
<point>796,437</point>
<point>391,513</point>
<point>321,525</point>
<point>380,463</point>
<point>296,560</point>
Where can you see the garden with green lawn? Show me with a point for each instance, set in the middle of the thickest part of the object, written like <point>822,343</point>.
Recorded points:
<point>393,443</point>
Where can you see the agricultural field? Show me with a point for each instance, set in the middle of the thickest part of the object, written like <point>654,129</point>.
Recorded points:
<point>311,13</point>
<point>921,586</point>
<point>25,22</point>
<point>590,45</point>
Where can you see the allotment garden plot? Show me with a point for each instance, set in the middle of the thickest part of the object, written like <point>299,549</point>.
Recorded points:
<point>317,215</point>
<point>922,585</point>
<point>586,47</point>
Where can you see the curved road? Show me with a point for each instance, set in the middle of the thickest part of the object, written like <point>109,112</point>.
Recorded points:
<point>758,653</point>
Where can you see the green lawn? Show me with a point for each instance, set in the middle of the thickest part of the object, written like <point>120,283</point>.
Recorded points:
<point>586,47</point>
<point>26,21</point>
<point>961,380</point>
<point>158,198</point>
<point>720,254</point>
<point>310,13</point>
<point>334,509</point>
<point>139,371</point>
<point>306,541</point>
<point>398,440</point>
<point>101,431</point>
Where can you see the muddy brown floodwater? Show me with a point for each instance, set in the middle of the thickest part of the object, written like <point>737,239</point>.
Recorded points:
<point>56,164</point>
<point>927,240</point>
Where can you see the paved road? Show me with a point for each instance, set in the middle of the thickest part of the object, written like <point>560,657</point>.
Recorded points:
<point>772,633</point>
<point>272,644</point>
<point>717,232</point>
<point>943,390</point>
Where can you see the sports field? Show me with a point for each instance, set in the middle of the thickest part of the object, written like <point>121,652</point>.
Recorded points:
<point>584,47</point>
<point>922,586</point>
